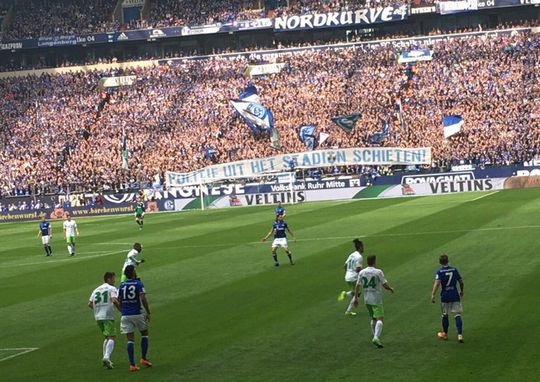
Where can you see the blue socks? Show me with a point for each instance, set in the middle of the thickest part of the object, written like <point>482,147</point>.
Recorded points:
<point>144,346</point>
<point>445,323</point>
<point>459,325</point>
<point>131,353</point>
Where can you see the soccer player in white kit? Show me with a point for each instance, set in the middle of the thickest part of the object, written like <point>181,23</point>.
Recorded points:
<point>103,300</point>
<point>371,280</point>
<point>70,229</point>
<point>352,266</point>
<point>132,259</point>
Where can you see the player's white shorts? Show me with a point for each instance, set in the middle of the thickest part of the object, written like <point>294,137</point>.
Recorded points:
<point>131,324</point>
<point>451,307</point>
<point>280,242</point>
<point>45,239</point>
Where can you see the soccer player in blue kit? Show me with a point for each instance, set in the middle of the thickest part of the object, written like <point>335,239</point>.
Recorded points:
<point>45,231</point>
<point>447,278</point>
<point>280,210</point>
<point>280,229</point>
<point>131,294</point>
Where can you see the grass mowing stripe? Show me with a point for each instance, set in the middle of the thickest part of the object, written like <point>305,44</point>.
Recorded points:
<point>225,313</point>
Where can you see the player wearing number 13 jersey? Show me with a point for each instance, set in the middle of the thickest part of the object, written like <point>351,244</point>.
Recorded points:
<point>103,300</point>
<point>372,280</point>
<point>132,294</point>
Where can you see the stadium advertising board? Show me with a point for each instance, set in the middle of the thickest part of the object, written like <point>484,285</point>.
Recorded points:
<point>444,187</point>
<point>450,7</point>
<point>423,10</point>
<point>437,178</point>
<point>284,162</point>
<point>365,16</point>
<point>56,41</point>
<point>235,195</point>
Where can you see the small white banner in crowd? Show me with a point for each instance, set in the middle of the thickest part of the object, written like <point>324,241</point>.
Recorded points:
<point>285,162</point>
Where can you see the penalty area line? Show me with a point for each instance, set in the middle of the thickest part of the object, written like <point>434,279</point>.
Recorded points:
<point>483,196</point>
<point>76,258</point>
<point>21,351</point>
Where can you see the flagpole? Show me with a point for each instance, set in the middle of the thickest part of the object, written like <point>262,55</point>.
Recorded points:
<point>202,197</point>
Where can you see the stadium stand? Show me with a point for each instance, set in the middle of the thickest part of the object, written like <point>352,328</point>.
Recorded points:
<point>58,138</point>
<point>39,18</point>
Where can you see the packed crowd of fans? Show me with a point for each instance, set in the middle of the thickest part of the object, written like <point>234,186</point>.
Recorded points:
<point>42,18</point>
<point>59,136</point>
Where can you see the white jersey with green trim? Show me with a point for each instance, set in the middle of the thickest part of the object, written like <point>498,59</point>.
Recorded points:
<point>353,261</point>
<point>102,298</point>
<point>70,226</point>
<point>131,259</point>
<point>371,279</point>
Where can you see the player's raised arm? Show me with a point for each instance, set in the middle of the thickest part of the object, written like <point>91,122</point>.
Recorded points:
<point>436,286</point>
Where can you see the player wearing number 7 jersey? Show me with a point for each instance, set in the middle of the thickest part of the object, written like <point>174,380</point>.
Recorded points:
<point>371,280</point>
<point>103,300</point>
<point>447,278</point>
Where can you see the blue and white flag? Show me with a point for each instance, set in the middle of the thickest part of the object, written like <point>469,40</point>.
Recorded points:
<point>378,137</point>
<point>307,136</point>
<point>255,115</point>
<point>323,137</point>
<point>452,125</point>
<point>415,56</point>
<point>250,94</point>
<point>346,122</point>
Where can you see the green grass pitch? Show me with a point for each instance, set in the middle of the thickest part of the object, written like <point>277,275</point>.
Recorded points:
<point>222,312</point>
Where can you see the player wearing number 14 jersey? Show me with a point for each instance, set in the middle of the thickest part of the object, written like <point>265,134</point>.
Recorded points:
<point>103,300</point>
<point>372,280</point>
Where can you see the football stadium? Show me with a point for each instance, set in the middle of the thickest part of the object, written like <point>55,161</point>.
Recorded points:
<point>269,190</point>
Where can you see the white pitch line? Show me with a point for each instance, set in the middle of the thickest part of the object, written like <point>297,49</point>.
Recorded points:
<point>414,233</point>
<point>483,196</point>
<point>157,248</point>
<point>24,351</point>
<point>115,243</point>
<point>72,259</point>
<point>353,236</point>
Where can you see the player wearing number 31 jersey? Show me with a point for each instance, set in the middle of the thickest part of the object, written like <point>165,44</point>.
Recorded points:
<point>103,300</point>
